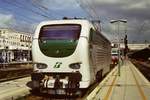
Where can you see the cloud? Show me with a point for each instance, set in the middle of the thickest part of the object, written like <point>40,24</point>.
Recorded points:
<point>57,4</point>
<point>9,21</point>
<point>6,20</point>
<point>136,12</point>
<point>61,8</point>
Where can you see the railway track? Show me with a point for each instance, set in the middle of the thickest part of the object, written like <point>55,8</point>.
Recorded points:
<point>39,96</point>
<point>144,68</point>
<point>14,71</point>
<point>45,96</point>
<point>30,96</point>
<point>62,97</point>
<point>92,91</point>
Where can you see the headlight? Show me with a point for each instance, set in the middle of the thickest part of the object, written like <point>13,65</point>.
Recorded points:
<point>41,66</point>
<point>75,65</point>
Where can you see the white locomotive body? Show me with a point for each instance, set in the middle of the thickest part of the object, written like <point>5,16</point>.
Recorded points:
<point>69,54</point>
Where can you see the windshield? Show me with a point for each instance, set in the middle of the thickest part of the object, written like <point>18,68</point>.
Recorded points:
<point>59,40</point>
<point>60,32</point>
<point>114,54</point>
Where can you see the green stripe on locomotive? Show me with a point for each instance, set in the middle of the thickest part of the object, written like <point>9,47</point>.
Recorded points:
<point>58,48</point>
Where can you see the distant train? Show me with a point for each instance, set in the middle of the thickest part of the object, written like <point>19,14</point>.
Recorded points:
<point>114,56</point>
<point>69,55</point>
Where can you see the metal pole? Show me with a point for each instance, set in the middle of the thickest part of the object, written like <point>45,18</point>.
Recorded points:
<point>118,21</point>
<point>118,50</point>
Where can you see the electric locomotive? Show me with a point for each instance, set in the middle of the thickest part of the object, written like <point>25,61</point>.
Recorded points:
<point>69,55</point>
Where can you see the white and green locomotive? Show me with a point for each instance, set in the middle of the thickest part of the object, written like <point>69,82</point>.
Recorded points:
<point>69,55</point>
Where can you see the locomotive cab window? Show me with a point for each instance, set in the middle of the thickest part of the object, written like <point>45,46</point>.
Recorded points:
<point>60,32</point>
<point>59,40</point>
<point>92,33</point>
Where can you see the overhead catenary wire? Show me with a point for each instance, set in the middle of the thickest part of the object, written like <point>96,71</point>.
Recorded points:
<point>42,11</point>
<point>93,9</point>
<point>27,9</point>
<point>84,8</point>
<point>88,8</point>
<point>21,16</point>
<point>41,7</point>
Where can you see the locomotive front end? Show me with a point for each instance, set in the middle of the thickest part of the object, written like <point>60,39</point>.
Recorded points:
<point>57,57</point>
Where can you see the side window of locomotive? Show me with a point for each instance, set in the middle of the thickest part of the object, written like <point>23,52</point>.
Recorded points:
<point>92,42</point>
<point>92,35</point>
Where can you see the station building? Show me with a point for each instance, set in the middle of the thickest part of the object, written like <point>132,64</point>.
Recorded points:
<point>15,46</point>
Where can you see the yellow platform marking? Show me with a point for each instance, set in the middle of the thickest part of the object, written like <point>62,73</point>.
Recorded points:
<point>110,88</point>
<point>139,88</point>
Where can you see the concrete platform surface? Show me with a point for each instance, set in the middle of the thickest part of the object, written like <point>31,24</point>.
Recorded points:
<point>11,90</point>
<point>130,85</point>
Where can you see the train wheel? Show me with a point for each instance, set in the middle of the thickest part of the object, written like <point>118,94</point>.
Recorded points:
<point>99,76</point>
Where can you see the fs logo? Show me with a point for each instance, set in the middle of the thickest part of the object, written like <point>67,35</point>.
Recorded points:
<point>57,65</point>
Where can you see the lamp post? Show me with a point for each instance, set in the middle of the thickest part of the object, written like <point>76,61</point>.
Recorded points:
<point>118,32</point>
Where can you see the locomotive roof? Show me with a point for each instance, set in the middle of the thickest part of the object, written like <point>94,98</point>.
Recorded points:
<point>83,22</point>
<point>68,21</point>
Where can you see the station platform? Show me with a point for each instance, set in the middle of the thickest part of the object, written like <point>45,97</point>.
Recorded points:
<point>130,85</point>
<point>14,89</point>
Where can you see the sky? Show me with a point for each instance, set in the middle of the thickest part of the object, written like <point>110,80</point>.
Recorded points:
<point>25,15</point>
